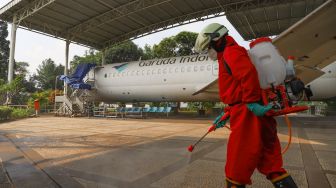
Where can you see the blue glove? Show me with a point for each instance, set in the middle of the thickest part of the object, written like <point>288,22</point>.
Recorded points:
<point>218,122</point>
<point>259,110</point>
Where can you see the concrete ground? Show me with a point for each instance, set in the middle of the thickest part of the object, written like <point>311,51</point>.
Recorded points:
<point>80,152</point>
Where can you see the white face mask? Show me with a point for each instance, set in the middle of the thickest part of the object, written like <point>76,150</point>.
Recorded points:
<point>212,54</point>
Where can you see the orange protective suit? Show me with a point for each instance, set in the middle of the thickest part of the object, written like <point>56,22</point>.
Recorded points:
<point>253,142</point>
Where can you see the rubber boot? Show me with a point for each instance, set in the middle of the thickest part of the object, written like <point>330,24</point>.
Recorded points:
<point>233,184</point>
<point>284,181</point>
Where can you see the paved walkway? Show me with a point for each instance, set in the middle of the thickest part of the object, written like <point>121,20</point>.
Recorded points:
<point>151,153</point>
<point>4,180</point>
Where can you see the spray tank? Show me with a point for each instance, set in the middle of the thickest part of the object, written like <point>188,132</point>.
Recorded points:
<point>277,78</point>
<point>270,65</point>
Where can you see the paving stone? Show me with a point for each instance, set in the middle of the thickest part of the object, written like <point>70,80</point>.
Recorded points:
<point>124,164</point>
<point>327,159</point>
<point>219,154</point>
<point>22,173</point>
<point>196,133</point>
<point>145,133</point>
<point>324,145</point>
<point>62,133</point>
<point>170,146</point>
<point>317,130</point>
<point>293,157</point>
<point>332,180</point>
<point>328,134</point>
<point>92,184</point>
<point>4,180</point>
<point>198,174</point>
<point>59,150</point>
<point>152,152</point>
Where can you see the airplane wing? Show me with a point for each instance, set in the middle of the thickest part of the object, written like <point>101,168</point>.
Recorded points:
<point>312,41</point>
<point>212,87</point>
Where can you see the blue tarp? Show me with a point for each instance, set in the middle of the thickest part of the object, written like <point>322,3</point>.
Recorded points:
<point>76,79</point>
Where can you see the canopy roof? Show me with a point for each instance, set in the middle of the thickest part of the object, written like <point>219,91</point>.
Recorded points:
<point>102,23</point>
<point>270,18</point>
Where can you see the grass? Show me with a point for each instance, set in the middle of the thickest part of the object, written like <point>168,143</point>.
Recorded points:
<point>8,113</point>
<point>20,113</point>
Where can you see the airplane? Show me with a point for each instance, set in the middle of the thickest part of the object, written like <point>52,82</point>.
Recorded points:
<point>169,79</point>
<point>195,78</point>
<point>178,79</point>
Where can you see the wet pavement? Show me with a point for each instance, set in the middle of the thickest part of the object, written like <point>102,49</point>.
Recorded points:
<point>80,152</point>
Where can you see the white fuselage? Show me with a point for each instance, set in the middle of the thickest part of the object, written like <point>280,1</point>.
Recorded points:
<point>177,79</point>
<point>169,79</point>
<point>324,87</point>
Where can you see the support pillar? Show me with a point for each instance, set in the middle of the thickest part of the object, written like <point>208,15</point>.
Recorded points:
<point>12,55</point>
<point>103,57</point>
<point>66,69</point>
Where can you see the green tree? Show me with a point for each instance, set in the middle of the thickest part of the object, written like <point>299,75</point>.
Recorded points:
<point>22,80</point>
<point>185,42</point>
<point>46,74</point>
<point>42,96</point>
<point>90,56</point>
<point>179,45</point>
<point>4,50</point>
<point>15,88</point>
<point>21,68</point>
<point>3,92</point>
<point>127,51</point>
<point>148,52</point>
<point>29,83</point>
<point>166,48</point>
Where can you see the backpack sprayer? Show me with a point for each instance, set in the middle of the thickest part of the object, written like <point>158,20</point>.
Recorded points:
<point>277,78</point>
<point>278,82</point>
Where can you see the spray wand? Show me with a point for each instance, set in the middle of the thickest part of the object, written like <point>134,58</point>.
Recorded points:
<point>210,129</point>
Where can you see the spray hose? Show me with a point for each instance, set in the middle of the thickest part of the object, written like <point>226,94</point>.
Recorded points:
<point>227,115</point>
<point>289,125</point>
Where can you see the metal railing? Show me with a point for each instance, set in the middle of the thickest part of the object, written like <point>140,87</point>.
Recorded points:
<point>316,110</point>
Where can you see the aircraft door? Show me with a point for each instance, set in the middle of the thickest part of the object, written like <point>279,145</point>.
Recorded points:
<point>90,77</point>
